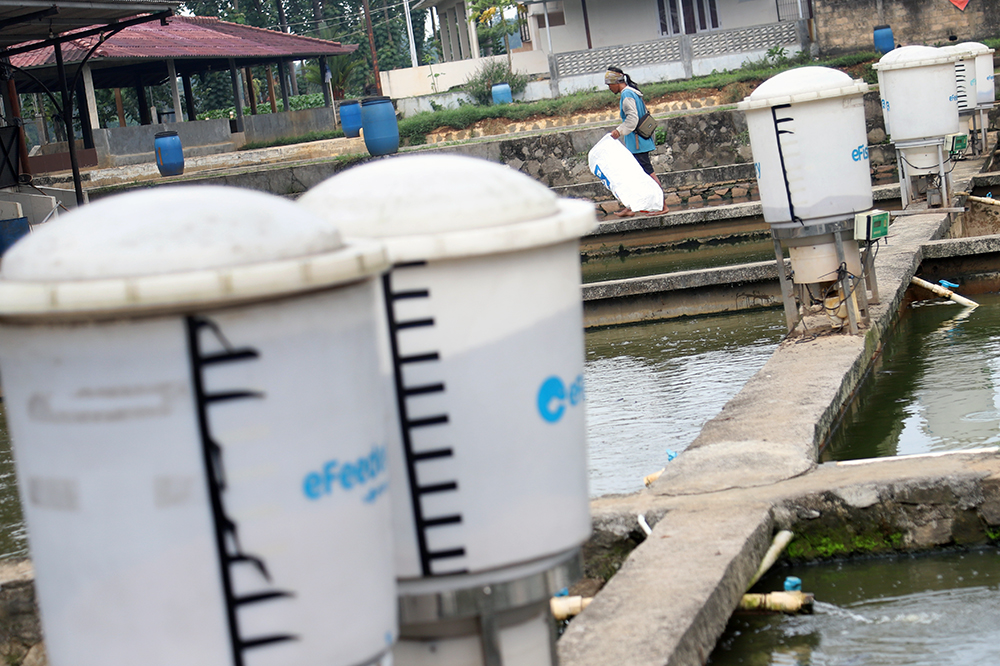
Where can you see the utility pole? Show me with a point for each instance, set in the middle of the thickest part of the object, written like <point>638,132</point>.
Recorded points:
<point>409,34</point>
<point>371,45</point>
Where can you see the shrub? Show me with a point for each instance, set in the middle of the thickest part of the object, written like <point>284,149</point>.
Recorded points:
<point>480,85</point>
<point>297,103</point>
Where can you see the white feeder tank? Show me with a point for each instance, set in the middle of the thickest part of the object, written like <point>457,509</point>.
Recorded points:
<point>484,348</point>
<point>973,74</point>
<point>192,387</point>
<point>920,92</point>
<point>807,133</point>
<point>920,103</point>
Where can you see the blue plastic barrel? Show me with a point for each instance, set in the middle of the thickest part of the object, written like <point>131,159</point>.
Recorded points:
<point>169,153</point>
<point>884,41</point>
<point>501,94</point>
<point>378,118</point>
<point>350,117</point>
<point>11,231</point>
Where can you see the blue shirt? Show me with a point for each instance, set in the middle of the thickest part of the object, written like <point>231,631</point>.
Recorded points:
<point>634,142</point>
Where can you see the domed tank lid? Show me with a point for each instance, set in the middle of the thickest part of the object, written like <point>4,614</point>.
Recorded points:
<point>446,206</point>
<point>804,84</point>
<point>967,50</point>
<point>176,248</point>
<point>914,56</point>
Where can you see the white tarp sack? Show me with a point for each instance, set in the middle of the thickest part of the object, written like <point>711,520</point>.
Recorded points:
<point>610,161</point>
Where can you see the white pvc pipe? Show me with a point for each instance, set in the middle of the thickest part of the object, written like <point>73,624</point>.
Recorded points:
<point>983,200</point>
<point>564,607</point>
<point>944,293</point>
<point>781,539</point>
<point>643,524</point>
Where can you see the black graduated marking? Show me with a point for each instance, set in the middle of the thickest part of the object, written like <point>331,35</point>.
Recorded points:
<point>427,421</point>
<point>781,155</point>
<point>408,425</point>
<point>231,553</point>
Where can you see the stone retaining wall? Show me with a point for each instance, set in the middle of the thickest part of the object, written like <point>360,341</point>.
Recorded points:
<point>705,160</point>
<point>848,25</point>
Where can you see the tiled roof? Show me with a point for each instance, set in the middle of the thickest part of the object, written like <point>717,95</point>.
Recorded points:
<point>190,37</point>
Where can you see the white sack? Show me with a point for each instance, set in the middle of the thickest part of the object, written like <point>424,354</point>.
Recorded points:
<point>610,161</point>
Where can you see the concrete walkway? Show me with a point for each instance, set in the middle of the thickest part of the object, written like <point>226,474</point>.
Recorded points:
<point>752,470</point>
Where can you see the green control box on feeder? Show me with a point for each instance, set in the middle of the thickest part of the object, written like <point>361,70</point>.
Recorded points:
<point>871,225</point>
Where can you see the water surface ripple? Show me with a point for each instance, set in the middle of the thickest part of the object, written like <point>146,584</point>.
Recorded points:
<point>939,609</point>
<point>651,387</point>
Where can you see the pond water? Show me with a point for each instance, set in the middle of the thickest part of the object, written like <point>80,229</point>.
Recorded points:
<point>698,256</point>
<point>939,609</point>
<point>651,387</point>
<point>13,533</point>
<point>935,387</point>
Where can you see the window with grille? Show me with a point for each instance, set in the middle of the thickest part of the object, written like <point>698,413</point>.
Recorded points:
<point>792,10</point>
<point>688,16</point>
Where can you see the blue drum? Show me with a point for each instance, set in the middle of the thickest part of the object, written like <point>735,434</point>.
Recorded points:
<point>501,94</point>
<point>884,41</point>
<point>350,117</point>
<point>381,131</point>
<point>169,153</point>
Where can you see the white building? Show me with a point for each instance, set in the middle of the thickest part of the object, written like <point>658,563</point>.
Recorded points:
<point>570,43</point>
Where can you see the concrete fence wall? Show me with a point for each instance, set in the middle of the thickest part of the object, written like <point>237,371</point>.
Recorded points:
<point>119,146</point>
<point>271,126</point>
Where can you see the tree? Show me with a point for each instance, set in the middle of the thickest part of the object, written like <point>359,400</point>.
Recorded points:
<point>335,20</point>
<point>492,25</point>
<point>341,67</point>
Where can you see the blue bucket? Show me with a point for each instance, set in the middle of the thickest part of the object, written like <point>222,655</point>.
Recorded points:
<point>501,94</point>
<point>378,118</point>
<point>884,41</point>
<point>350,117</point>
<point>169,153</point>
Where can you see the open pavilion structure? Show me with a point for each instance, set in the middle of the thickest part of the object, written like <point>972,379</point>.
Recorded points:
<point>67,48</point>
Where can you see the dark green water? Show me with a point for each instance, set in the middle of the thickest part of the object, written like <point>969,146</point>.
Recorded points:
<point>651,388</point>
<point>13,533</point>
<point>685,259</point>
<point>933,388</point>
<point>941,609</point>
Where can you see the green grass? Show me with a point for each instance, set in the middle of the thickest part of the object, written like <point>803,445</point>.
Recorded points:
<point>414,130</point>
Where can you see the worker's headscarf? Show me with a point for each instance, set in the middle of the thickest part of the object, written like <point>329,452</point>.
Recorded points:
<point>612,76</point>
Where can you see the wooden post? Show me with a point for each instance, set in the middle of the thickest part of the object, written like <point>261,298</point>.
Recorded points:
<point>144,117</point>
<point>119,107</point>
<point>270,86</point>
<point>248,86</point>
<point>234,79</point>
<point>86,122</point>
<point>283,82</point>
<point>371,45</point>
<point>189,97</point>
<point>15,110</point>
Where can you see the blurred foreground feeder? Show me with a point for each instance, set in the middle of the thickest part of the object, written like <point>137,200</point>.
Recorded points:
<point>484,354</point>
<point>191,382</point>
